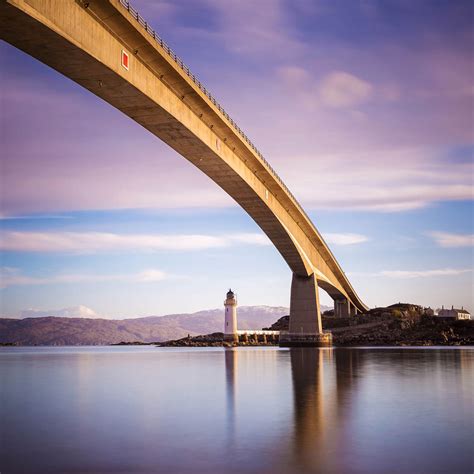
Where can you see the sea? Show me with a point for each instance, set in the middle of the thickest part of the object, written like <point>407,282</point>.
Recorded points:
<point>236,410</point>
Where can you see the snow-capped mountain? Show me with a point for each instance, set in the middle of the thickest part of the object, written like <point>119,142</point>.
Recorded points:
<point>80,311</point>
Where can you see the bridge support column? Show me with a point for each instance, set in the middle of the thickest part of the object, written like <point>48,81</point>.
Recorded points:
<point>353,310</point>
<point>344,308</point>
<point>305,328</point>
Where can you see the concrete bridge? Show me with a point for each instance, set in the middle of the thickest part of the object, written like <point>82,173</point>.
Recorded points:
<point>109,49</point>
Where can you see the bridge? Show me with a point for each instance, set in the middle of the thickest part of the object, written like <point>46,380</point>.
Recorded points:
<point>108,48</point>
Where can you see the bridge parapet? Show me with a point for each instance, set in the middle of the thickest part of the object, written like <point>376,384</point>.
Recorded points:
<point>250,332</point>
<point>134,13</point>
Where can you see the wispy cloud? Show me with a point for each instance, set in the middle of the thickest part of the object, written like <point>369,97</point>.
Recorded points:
<point>420,178</point>
<point>341,89</point>
<point>14,277</point>
<point>33,217</point>
<point>94,242</point>
<point>247,30</point>
<point>91,242</point>
<point>424,273</point>
<point>446,239</point>
<point>344,239</point>
<point>409,274</point>
<point>336,89</point>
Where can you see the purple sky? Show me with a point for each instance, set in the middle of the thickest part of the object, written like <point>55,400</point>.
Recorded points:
<point>363,108</point>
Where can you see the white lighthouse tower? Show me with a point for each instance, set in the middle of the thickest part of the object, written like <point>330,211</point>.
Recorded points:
<point>230,324</point>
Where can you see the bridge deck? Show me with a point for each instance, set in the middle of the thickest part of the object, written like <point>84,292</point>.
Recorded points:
<point>84,41</point>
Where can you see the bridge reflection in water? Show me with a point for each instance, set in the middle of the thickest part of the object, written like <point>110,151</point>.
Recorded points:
<point>321,380</point>
<point>323,383</point>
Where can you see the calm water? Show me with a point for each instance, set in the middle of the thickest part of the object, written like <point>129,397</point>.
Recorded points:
<point>249,410</point>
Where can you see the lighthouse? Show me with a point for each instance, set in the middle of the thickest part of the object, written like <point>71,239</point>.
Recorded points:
<point>230,323</point>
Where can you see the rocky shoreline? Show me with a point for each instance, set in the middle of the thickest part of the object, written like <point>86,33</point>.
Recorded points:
<point>212,340</point>
<point>397,325</point>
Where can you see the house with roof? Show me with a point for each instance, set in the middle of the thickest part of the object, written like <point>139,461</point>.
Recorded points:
<point>454,313</point>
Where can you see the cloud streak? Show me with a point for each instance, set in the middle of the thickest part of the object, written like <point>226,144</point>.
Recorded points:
<point>344,239</point>
<point>410,274</point>
<point>421,177</point>
<point>95,242</point>
<point>92,242</point>
<point>446,239</point>
<point>13,277</point>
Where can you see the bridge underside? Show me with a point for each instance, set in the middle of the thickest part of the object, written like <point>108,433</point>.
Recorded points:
<point>85,40</point>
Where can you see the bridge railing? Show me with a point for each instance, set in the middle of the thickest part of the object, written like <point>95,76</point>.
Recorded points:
<point>258,332</point>
<point>198,83</point>
<point>180,63</point>
<point>285,332</point>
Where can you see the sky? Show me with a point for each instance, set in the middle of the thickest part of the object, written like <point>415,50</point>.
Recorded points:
<point>364,108</point>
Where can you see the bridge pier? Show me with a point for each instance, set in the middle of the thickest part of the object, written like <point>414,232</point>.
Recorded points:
<point>305,328</point>
<point>343,308</point>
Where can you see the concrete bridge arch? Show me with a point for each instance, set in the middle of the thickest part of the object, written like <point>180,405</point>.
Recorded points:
<point>109,49</point>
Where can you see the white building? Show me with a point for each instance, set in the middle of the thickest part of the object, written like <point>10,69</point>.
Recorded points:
<point>454,313</point>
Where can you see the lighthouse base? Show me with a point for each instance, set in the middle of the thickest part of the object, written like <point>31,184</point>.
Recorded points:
<point>231,338</point>
<point>288,339</point>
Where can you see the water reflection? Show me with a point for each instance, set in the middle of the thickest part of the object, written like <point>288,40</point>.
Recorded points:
<point>323,383</point>
<point>307,370</point>
<point>240,410</point>
<point>371,410</point>
<point>230,356</point>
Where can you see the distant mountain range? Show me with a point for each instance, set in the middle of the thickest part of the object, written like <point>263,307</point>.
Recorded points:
<point>75,331</point>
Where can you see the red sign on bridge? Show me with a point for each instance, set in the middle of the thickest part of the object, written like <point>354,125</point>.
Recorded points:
<point>125,59</point>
